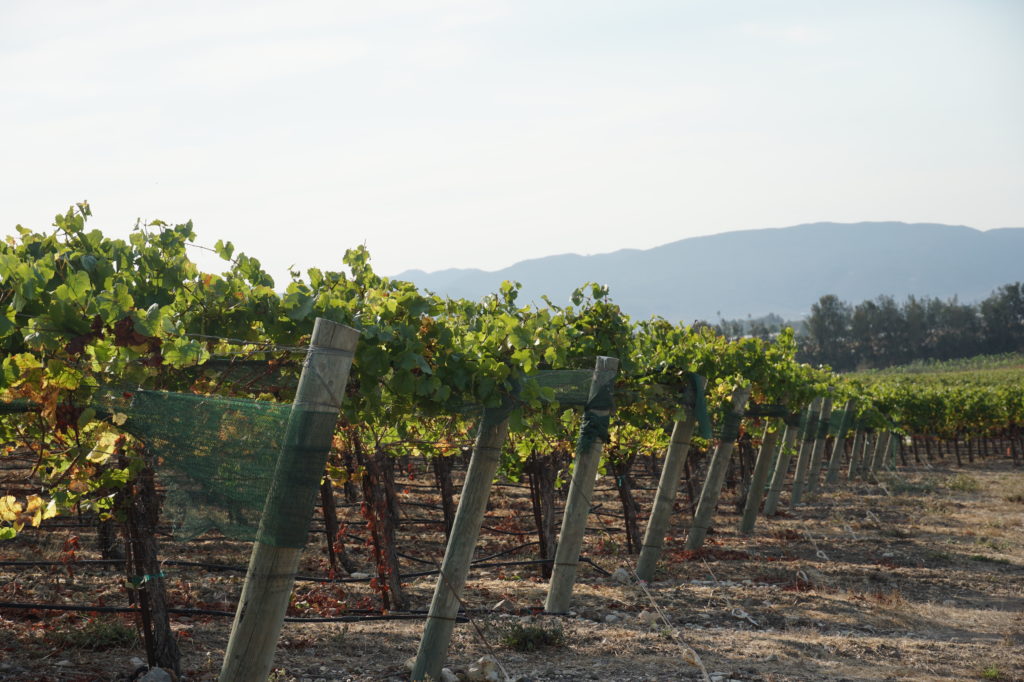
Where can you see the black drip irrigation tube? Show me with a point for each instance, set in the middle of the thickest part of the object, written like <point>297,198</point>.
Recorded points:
<point>483,562</point>
<point>82,608</point>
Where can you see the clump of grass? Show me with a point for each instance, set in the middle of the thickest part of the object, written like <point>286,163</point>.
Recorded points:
<point>994,544</point>
<point>991,673</point>
<point>988,559</point>
<point>97,634</point>
<point>962,483</point>
<point>532,636</point>
<point>901,486</point>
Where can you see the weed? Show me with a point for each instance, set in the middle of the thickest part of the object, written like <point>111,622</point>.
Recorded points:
<point>993,544</point>
<point>532,636</point>
<point>991,673</point>
<point>889,598</point>
<point>988,559</point>
<point>937,556</point>
<point>98,634</point>
<point>902,486</point>
<point>962,483</point>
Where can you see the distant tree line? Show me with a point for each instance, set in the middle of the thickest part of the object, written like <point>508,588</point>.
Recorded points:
<point>883,332</point>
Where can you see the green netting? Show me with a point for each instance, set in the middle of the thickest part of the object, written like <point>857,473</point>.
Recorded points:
<point>216,456</point>
<point>571,387</point>
<point>597,410</point>
<point>698,402</point>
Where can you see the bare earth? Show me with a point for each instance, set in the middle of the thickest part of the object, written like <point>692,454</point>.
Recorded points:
<point>917,577</point>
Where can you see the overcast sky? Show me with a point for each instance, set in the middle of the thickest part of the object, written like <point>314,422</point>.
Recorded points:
<point>458,133</point>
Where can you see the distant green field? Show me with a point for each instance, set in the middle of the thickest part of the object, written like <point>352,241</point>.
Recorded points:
<point>978,363</point>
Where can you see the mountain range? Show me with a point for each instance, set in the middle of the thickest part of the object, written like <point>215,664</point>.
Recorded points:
<point>775,270</point>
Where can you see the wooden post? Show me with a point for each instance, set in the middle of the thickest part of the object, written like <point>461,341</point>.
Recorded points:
<point>817,454</point>
<point>855,454</point>
<point>803,459</point>
<point>289,506</point>
<point>717,469</point>
<point>671,472</point>
<point>837,448</point>
<point>881,444</point>
<point>458,555</point>
<point>757,480</point>
<point>577,506</point>
<point>771,501</point>
<point>892,452</point>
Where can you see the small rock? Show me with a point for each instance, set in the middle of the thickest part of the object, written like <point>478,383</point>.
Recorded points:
<point>949,602</point>
<point>649,617</point>
<point>64,664</point>
<point>526,620</point>
<point>359,576</point>
<point>621,575</point>
<point>485,670</point>
<point>448,676</point>
<point>156,675</point>
<point>134,663</point>
<point>410,663</point>
<point>887,555</point>
<point>611,618</point>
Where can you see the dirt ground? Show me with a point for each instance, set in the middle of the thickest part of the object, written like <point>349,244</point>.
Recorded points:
<point>919,576</point>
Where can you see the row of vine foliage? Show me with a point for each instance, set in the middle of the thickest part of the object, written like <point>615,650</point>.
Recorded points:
<point>82,314</point>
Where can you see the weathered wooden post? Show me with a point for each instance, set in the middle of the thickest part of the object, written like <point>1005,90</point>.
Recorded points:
<point>793,429</point>
<point>671,472</point>
<point>803,459</point>
<point>716,469</point>
<point>894,451</point>
<point>289,507</point>
<point>817,454</point>
<point>855,453</point>
<point>839,446</point>
<point>483,463</point>
<point>881,445</point>
<point>593,436</point>
<point>757,479</point>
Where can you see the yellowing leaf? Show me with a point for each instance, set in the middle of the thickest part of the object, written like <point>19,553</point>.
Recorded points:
<point>119,418</point>
<point>9,508</point>
<point>103,449</point>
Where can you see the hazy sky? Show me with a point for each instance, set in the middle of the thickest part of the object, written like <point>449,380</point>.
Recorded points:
<point>458,133</point>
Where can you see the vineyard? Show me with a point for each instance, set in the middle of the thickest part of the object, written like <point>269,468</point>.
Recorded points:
<point>465,479</point>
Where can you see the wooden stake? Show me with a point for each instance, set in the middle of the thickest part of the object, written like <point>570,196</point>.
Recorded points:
<point>832,476</point>
<point>757,480</point>
<point>483,463</point>
<point>289,506</point>
<point>716,475</point>
<point>855,455</point>
<point>577,506</point>
<point>881,445</point>
<point>771,501</point>
<point>817,454</point>
<point>803,459</point>
<point>668,484</point>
